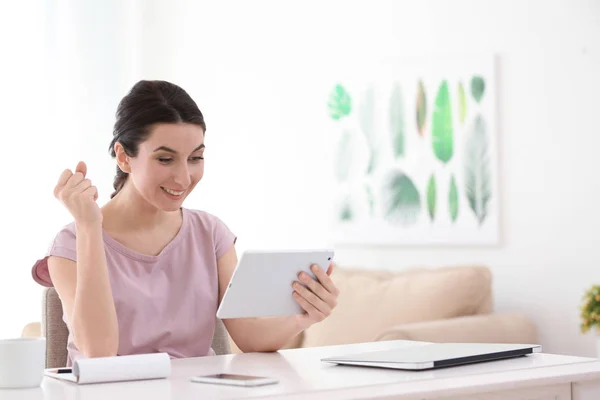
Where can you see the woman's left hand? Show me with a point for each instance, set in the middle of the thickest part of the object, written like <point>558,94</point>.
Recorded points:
<point>318,298</point>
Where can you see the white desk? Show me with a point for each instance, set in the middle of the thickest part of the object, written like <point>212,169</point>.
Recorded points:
<point>303,376</point>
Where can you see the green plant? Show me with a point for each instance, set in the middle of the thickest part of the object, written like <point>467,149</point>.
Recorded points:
<point>590,310</point>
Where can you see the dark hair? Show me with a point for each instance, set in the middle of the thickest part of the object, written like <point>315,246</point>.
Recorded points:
<point>149,103</point>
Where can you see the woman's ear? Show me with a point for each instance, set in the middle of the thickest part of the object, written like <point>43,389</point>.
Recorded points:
<point>122,158</point>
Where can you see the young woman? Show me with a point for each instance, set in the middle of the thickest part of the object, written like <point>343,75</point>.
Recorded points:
<point>142,274</point>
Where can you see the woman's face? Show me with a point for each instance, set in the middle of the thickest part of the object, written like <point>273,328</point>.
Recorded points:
<point>169,164</point>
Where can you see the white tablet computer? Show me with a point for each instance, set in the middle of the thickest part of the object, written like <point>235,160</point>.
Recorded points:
<point>261,285</point>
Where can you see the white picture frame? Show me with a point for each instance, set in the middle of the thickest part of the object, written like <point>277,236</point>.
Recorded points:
<point>416,158</point>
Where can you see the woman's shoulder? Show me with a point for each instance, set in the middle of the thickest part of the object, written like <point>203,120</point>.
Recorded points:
<point>65,235</point>
<point>63,244</point>
<point>211,224</point>
<point>203,217</point>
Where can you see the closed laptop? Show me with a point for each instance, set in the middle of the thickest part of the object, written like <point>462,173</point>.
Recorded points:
<point>436,355</point>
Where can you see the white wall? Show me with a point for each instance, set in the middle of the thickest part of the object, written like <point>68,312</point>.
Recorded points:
<point>254,68</point>
<point>64,66</point>
<point>23,102</point>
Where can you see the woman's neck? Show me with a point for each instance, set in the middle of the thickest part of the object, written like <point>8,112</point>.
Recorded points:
<point>130,211</point>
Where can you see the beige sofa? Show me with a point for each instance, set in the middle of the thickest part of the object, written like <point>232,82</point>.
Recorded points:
<point>449,304</point>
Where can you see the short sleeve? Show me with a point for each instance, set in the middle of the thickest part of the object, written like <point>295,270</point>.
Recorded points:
<point>223,238</point>
<point>63,245</point>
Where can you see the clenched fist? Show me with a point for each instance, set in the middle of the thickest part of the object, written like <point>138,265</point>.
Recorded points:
<point>79,195</point>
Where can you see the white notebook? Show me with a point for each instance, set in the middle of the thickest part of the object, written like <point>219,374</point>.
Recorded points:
<point>114,369</point>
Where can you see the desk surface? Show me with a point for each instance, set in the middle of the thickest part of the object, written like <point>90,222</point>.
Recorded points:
<point>302,375</point>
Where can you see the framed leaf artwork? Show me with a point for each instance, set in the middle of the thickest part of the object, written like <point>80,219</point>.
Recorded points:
<point>416,158</point>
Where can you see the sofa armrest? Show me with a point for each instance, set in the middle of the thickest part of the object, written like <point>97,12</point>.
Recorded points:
<point>32,329</point>
<point>481,328</point>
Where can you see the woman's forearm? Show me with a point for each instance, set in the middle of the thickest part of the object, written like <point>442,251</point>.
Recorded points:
<point>266,334</point>
<point>94,319</point>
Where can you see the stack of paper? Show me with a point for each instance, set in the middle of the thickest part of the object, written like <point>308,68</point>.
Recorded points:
<point>115,369</point>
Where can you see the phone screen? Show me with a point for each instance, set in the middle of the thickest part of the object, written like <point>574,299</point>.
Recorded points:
<point>234,377</point>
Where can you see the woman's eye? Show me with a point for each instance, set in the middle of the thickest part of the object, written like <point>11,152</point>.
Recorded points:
<point>165,160</point>
<point>197,159</point>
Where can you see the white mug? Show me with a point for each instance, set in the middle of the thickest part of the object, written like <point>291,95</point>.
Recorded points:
<point>22,362</point>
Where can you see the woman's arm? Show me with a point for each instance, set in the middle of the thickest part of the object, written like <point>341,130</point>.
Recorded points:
<point>86,295</point>
<point>273,333</point>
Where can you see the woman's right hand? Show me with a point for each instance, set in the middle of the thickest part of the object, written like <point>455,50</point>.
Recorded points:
<point>79,195</point>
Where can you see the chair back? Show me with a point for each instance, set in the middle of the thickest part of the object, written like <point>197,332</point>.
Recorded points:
<point>54,329</point>
<point>56,332</point>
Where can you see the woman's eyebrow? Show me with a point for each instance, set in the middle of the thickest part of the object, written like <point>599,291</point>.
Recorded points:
<point>170,150</point>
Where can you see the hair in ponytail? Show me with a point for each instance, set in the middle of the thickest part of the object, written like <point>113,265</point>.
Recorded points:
<point>119,181</point>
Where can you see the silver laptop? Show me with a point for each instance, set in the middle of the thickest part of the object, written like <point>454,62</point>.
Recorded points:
<point>436,355</point>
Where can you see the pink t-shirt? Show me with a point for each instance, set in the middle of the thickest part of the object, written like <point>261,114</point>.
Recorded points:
<point>165,303</point>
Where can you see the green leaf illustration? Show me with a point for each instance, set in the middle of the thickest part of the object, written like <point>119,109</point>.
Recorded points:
<point>462,103</point>
<point>421,108</point>
<point>344,155</point>
<point>477,87</point>
<point>339,103</point>
<point>431,197</point>
<point>346,213</point>
<point>401,199</point>
<point>366,116</point>
<point>453,199</point>
<point>370,199</point>
<point>441,126</point>
<point>397,127</point>
<point>478,181</point>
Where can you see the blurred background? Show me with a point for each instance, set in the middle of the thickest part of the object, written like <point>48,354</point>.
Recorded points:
<point>256,70</point>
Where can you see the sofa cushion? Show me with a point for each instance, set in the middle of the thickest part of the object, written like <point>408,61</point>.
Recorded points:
<point>490,328</point>
<point>372,301</point>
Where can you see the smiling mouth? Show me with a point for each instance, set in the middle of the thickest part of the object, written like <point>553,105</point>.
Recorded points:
<point>173,192</point>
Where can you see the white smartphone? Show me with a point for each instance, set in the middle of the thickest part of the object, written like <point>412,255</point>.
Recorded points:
<point>235,380</point>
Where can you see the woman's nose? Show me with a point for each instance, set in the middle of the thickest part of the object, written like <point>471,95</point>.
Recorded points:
<point>182,176</point>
